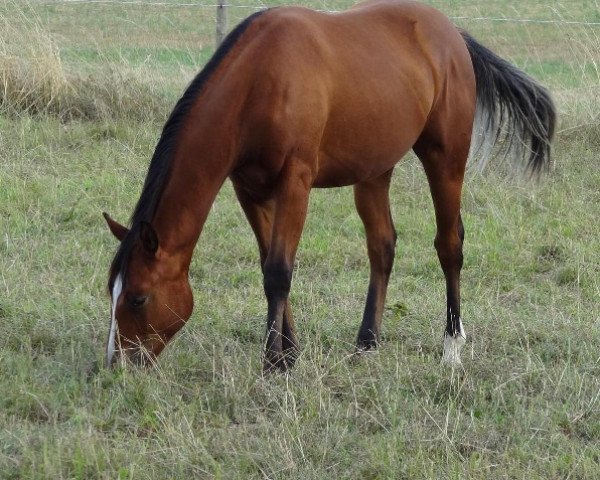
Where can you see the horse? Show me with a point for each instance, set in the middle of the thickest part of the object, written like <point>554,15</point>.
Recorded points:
<point>296,99</point>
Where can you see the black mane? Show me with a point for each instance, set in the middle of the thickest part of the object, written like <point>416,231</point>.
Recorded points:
<point>158,171</point>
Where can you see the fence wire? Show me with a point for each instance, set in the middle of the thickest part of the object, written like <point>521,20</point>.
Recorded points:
<point>263,7</point>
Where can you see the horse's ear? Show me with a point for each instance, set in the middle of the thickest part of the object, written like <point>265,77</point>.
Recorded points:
<point>148,237</point>
<point>116,228</point>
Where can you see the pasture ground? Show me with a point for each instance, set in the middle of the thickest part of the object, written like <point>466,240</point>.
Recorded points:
<point>84,92</point>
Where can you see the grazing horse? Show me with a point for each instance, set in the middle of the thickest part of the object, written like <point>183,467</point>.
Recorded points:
<point>296,99</point>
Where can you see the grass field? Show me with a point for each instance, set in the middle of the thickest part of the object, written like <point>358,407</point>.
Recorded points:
<point>84,91</point>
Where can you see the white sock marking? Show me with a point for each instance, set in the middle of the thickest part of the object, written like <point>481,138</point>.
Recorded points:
<point>453,346</point>
<point>462,330</point>
<point>116,293</point>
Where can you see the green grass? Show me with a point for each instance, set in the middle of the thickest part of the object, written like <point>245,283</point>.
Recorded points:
<point>525,406</point>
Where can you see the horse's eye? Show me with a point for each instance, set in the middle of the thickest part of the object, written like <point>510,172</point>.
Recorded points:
<point>137,301</point>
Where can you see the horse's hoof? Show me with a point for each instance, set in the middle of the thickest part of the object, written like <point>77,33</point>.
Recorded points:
<point>453,344</point>
<point>365,345</point>
<point>278,362</point>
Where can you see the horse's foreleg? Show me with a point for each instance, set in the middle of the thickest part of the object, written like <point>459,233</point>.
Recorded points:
<point>291,203</point>
<point>260,216</point>
<point>373,206</point>
<point>445,173</point>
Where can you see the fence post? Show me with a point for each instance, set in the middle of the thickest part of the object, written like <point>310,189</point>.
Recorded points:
<point>221,22</point>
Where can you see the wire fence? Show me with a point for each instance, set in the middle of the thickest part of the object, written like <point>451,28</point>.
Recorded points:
<point>167,40</point>
<point>222,5</point>
<point>223,21</point>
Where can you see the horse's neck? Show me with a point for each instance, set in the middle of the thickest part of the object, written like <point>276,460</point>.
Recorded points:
<point>201,162</point>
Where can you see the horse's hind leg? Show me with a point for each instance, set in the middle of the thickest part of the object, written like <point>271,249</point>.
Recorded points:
<point>373,205</point>
<point>445,165</point>
<point>260,216</point>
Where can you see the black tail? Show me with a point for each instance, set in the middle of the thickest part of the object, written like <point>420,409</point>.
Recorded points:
<point>511,106</point>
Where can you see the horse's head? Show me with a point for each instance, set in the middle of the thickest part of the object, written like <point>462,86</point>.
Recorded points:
<point>150,294</point>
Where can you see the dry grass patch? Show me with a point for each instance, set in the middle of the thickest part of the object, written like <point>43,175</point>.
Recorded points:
<point>34,80</point>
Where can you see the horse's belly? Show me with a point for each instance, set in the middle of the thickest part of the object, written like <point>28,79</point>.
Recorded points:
<point>364,149</point>
<point>340,172</point>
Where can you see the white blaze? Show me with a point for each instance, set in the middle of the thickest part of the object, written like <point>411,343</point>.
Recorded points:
<point>116,293</point>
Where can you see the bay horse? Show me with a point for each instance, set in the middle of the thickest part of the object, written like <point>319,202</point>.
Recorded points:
<point>295,99</point>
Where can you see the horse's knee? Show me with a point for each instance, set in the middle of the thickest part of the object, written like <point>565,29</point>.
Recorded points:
<point>449,250</point>
<point>382,254</point>
<point>388,254</point>
<point>277,280</point>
